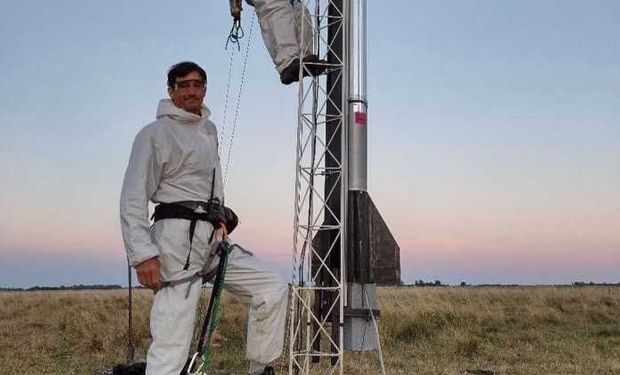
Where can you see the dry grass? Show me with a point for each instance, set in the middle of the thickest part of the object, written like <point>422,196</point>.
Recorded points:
<point>526,330</point>
<point>529,330</point>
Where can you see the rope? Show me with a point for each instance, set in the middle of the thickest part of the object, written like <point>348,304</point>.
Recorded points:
<point>224,122</point>
<point>236,33</point>
<point>212,319</point>
<point>372,315</point>
<point>131,346</point>
<point>213,312</point>
<point>214,323</point>
<point>283,366</point>
<point>202,305</point>
<point>238,104</point>
<point>233,37</point>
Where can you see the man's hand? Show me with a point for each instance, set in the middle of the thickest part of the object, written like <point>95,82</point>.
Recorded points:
<point>224,231</point>
<point>148,273</point>
<point>221,233</point>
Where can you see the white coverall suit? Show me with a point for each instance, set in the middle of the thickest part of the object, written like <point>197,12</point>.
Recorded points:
<point>173,159</point>
<point>280,24</point>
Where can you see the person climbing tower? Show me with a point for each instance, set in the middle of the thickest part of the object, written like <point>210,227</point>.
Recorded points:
<point>281,27</point>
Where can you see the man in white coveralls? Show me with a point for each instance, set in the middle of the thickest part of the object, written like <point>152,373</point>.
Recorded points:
<point>174,163</point>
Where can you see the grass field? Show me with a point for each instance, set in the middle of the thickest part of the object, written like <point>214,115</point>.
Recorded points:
<point>430,330</point>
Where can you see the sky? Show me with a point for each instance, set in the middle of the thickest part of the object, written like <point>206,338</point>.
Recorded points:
<point>493,134</point>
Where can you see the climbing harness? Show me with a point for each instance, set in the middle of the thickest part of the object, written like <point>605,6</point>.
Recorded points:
<point>211,211</point>
<point>199,363</point>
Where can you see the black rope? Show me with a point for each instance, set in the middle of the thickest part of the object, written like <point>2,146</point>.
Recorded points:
<point>131,346</point>
<point>236,34</point>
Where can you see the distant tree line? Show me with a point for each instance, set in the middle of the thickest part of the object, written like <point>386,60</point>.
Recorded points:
<point>429,283</point>
<point>583,283</point>
<point>416,283</point>
<point>465,284</point>
<point>62,287</point>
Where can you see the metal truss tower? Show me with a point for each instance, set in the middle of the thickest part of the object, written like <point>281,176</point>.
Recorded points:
<point>319,280</point>
<point>342,246</point>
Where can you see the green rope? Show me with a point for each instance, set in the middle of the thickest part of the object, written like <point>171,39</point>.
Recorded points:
<point>213,323</point>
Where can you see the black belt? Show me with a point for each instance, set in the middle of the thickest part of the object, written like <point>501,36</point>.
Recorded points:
<point>194,211</point>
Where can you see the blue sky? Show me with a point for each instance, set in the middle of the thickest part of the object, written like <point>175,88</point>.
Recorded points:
<point>494,134</point>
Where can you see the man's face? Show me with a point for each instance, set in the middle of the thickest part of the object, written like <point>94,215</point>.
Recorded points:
<point>188,92</point>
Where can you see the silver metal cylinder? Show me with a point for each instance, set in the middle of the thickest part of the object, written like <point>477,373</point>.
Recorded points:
<point>357,104</point>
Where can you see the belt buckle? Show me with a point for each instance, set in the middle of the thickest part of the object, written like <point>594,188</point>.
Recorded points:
<point>200,209</point>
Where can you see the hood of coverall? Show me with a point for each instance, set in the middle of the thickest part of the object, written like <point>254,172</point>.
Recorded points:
<point>166,108</point>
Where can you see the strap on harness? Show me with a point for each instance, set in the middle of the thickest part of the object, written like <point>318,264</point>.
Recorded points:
<point>188,279</point>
